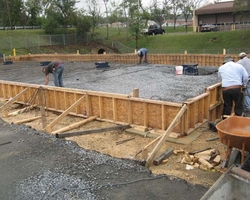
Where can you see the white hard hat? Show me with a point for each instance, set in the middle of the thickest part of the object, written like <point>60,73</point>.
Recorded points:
<point>242,54</point>
<point>139,52</point>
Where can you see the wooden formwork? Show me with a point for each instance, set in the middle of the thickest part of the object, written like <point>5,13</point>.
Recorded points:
<point>120,108</point>
<point>170,59</point>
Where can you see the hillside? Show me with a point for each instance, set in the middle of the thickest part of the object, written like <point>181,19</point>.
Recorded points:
<point>174,41</point>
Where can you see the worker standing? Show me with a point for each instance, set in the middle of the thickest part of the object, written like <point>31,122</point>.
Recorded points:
<point>245,62</point>
<point>233,76</point>
<point>142,53</point>
<point>56,68</point>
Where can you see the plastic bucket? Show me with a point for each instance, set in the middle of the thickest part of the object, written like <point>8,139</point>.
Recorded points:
<point>179,70</point>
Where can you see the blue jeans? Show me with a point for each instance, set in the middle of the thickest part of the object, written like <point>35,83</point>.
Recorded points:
<point>247,97</point>
<point>58,76</point>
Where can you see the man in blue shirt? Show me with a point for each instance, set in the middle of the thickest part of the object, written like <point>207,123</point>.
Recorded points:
<point>233,76</point>
<point>143,53</point>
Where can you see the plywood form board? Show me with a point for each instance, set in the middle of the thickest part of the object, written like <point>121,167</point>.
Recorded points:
<point>107,104</point>
<point>137,113</point>
<point>95,105</point>
<point>122,110</point>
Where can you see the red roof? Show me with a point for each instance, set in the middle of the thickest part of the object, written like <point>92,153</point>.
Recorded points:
<point>221,7</point>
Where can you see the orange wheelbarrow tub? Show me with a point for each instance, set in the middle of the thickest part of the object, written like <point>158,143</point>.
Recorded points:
<point>234,132</point>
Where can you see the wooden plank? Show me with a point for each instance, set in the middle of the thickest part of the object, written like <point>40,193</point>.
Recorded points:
<point>85,132</point>
<point>145,114</point>
<point>163,121</point>
<point>66,112</point>
<point>27,120</point>
<point>129,112</point>
<point>88,105</point>
<point>75,125</point>
<point>164,136</point>
<point>100,107</point>
<point>163,156</point>
<point>201,110</point>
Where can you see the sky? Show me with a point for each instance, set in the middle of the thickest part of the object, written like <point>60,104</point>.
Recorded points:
<point>82,3</point>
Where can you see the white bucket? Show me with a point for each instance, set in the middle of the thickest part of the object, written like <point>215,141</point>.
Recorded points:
<point>179,70</point>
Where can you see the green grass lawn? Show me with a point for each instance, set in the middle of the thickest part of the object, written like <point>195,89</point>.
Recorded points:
<point>174,41</point>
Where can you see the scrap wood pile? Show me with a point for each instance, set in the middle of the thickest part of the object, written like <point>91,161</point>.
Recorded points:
<point>206,159</point>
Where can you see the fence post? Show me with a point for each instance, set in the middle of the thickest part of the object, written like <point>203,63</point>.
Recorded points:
<point>64,39</point>
<point>38,41</point>
<point>11,43</point>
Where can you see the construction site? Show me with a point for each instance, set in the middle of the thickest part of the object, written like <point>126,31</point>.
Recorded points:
<point>117,130</point>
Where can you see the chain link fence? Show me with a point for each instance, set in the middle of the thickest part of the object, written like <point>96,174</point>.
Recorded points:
<point>33,43</point>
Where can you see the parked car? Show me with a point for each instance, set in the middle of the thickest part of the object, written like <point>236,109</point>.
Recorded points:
<point>155,29</point>
<point>144,31</point>
<point>209,28</point>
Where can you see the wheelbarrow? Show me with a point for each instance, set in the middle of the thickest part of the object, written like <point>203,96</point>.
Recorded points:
<point>234,132</point>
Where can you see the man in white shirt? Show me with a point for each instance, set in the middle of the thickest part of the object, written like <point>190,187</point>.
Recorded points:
<point>233,76</point>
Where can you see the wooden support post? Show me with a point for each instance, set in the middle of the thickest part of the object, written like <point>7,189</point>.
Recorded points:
<point>164,136</point>
<point>75,125</point>
<point>136,92</point>
<point>100,107</point>
<point>66,112</point>
<point>42,108</point>
<point>43,116</point>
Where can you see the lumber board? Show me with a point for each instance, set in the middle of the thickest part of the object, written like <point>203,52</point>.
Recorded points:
<point>75,125</point>
<point>168,131</point>
<point>85,132</point>
<point>48,127</point>
<point>12,100</point>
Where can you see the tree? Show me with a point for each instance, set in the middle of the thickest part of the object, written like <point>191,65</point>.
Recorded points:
<point>175,9</point>
<point>107,24</point>
<point>242,6</point>
<point>67,9</point>
<point>83,24</point>
<point>187,7</point>
<point>33,9</point>
<point>93,11</point>
<point>11,12</point>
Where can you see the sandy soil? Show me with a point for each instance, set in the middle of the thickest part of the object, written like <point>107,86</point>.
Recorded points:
<point>105,143</point>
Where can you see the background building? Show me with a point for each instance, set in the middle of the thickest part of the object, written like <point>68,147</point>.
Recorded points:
<point>223,15</point>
